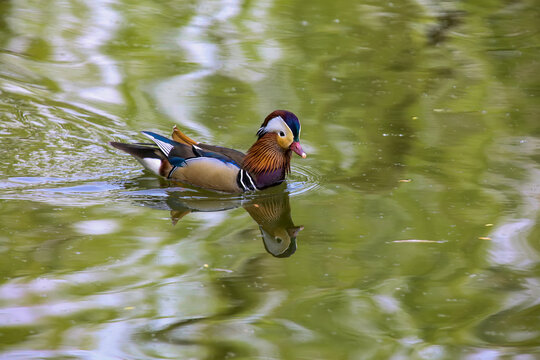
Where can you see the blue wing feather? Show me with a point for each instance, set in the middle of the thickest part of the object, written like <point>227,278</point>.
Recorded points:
<point>167,146</point>
<point>177,161</point>
<point>154,136</point>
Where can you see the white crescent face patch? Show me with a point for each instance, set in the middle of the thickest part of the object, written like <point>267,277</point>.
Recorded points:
<point>276,125</point>
<point>279,126</point>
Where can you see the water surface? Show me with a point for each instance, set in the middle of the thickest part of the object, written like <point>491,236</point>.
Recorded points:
<point>409,232</point>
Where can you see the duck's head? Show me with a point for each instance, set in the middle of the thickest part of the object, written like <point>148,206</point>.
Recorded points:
<point>287,127</point>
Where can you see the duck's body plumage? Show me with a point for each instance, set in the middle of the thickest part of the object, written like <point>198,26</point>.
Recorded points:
<point>217,168</point>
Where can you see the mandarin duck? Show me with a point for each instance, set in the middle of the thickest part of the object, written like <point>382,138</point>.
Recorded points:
<point>217,168</point>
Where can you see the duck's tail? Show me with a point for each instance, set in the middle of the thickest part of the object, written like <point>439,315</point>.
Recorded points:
<point>148,155</point>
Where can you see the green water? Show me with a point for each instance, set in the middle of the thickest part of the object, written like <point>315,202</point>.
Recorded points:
<point>410,231</point>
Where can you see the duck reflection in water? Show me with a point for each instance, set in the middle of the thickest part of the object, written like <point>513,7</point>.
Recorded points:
<point>272,212</point>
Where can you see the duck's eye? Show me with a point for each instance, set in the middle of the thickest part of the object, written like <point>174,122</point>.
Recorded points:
<point>281,133</point>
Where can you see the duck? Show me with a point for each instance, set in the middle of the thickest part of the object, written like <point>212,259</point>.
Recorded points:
<point>182,159</point>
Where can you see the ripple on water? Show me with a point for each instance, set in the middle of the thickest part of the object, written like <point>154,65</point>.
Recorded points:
<point>302,180</point>
<point>82,191</point>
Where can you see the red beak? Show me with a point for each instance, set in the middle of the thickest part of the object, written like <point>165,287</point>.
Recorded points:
<point>297,148</point>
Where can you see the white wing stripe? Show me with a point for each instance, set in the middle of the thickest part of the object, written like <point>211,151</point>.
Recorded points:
<point>242,180</point>
<point>166,148</point>
<point>251,181</point>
